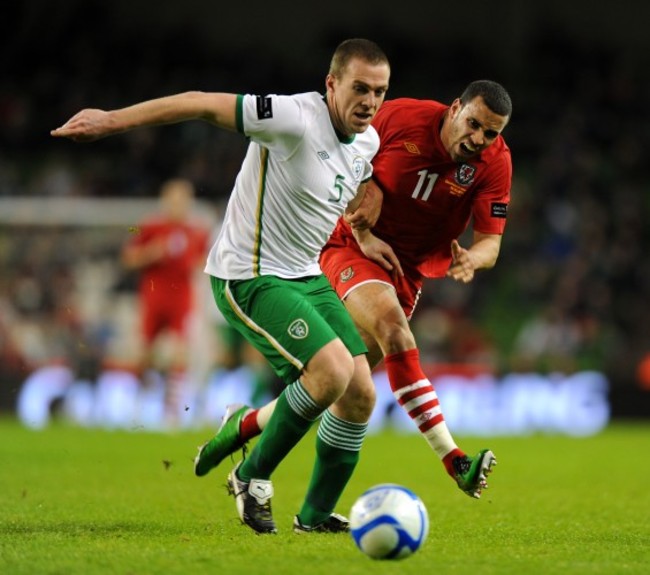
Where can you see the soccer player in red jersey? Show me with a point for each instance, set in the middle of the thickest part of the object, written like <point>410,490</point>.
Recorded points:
<point>166,250</point>
<point>438,167</point>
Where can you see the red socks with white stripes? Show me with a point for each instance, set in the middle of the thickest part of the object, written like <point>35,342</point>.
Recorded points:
<point>416,395</point>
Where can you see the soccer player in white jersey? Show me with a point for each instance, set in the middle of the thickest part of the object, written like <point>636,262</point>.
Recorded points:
<point>308,161</point>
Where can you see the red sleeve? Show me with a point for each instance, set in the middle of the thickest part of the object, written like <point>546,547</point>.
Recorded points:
<point>490,206</point>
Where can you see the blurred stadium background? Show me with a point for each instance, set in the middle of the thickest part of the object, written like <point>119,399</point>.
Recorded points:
<point>556,335</point>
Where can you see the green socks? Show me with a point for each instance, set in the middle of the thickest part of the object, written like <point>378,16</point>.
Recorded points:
<point>294,413</point>
<point>337,453</point>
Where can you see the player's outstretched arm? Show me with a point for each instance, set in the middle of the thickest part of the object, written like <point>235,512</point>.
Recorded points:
<point>92,124</point>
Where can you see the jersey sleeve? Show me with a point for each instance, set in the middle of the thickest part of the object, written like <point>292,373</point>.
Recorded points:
<point>490,207</point>
<point>272,121</point>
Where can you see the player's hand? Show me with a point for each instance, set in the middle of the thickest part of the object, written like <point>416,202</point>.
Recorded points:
<point>462,267</point>
<point>379,251</point>
<point>367,213</point>
<point>85,126</point>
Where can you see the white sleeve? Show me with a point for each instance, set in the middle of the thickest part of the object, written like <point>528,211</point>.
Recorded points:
<point>273,121</point>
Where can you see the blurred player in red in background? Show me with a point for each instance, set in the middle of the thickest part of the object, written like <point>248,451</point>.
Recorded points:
<point>167,249</point>
<point>438,167</point>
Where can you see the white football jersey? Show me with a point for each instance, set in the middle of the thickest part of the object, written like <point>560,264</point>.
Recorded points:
<point>296,180</point>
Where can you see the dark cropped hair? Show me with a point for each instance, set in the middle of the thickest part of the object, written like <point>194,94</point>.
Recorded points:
<point>494,95</point>
<point>356,48</point>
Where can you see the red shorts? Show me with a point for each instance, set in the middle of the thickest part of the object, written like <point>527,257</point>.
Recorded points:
<point>347,268</point>
<point>161,313</point>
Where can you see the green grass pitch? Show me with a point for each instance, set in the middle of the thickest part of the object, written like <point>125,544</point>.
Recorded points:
<point>78,501</point>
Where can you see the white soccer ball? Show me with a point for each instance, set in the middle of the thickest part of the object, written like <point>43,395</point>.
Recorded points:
<point>389,521</point>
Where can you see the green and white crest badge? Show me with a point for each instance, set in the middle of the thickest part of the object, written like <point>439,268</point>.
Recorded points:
<point>298,329</point>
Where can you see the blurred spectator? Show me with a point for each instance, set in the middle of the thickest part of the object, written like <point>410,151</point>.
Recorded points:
<point>547,342</point>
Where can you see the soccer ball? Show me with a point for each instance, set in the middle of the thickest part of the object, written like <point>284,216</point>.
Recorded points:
<point>389,521</point>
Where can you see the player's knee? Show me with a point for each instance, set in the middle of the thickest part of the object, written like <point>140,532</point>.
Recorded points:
<point>394,336</point>
<point>358,401</point>
<point>338,373</point>
<point>329,372</point>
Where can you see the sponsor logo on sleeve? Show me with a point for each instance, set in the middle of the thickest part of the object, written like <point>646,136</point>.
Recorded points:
<point>264,108</point>
<point>499,210</point>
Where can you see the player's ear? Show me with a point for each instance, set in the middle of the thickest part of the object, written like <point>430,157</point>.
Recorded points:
<point>329,82</point>
<point>456,105</point>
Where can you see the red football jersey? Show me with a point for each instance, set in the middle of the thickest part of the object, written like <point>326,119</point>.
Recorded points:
<point>185,247</point>
<point>429,199</point>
